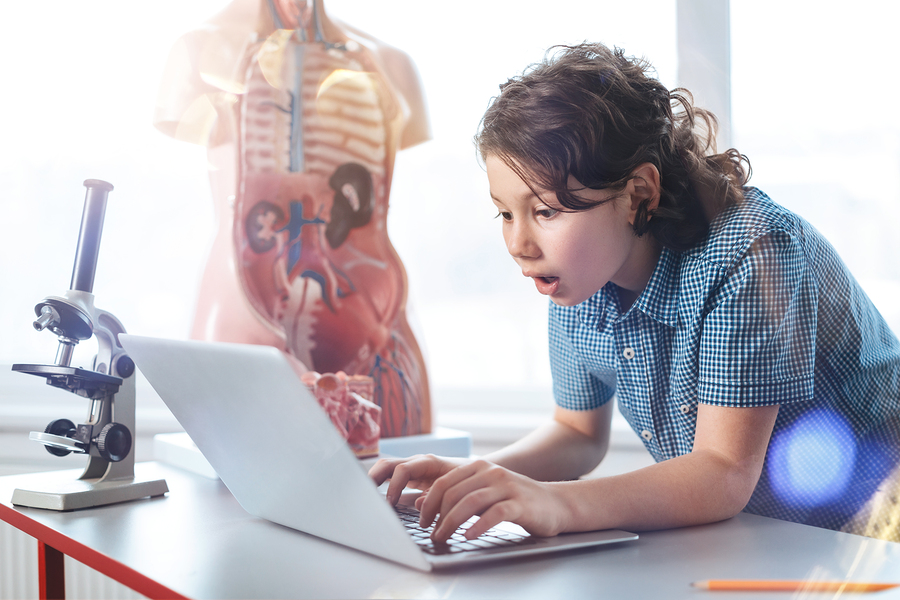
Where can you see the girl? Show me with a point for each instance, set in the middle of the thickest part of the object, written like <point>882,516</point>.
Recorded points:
<point>756,371</point>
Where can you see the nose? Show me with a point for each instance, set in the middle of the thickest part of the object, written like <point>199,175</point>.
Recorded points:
<point>519,241</point>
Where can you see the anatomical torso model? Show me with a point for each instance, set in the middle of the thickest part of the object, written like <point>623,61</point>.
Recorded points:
<point>302,117</point>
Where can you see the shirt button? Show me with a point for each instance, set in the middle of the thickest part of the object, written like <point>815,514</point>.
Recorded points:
<point>646,435</point>
<point>628,353</point>
<point>685,408</point>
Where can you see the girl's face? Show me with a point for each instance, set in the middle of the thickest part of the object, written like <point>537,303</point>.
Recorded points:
<point>571,255</point>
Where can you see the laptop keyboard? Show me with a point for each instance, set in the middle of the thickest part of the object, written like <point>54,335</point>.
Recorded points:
<point>492,538</point>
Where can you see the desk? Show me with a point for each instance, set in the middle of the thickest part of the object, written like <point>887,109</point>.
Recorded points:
<point>198,542</point>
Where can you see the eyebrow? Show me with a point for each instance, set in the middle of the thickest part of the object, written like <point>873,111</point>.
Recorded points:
<point>524,196</point>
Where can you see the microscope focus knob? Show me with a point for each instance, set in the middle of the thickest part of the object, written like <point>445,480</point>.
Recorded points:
<point>63,428</point>
<point>114,442</point>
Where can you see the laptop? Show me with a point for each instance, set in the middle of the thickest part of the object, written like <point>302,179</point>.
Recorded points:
<point>280,456</point>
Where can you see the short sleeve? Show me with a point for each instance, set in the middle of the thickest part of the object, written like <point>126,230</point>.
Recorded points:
<point>757,345</point>
<point>575,385</point>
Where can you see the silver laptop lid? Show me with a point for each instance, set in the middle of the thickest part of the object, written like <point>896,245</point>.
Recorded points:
<point>263,432</point>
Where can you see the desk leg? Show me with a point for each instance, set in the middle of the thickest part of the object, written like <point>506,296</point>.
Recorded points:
<point>51,573</point>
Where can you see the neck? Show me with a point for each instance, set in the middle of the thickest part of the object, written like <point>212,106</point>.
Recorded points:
<point>306,16</point>
<point>643,263</point>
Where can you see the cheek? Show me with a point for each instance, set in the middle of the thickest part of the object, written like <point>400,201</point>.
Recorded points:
<point>586,245</point>
<point>505,232</point>
<point>595,248</point>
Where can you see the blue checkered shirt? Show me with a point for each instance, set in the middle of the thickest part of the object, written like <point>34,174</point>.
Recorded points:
<point>762,312</point>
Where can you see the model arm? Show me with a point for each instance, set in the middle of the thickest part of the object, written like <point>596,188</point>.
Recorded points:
<point>403,76</point>
<point>203,73</point>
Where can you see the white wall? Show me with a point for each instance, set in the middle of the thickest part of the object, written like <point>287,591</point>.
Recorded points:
<point>80,103</point>
<point>814,93</point>
<point>809,109</point>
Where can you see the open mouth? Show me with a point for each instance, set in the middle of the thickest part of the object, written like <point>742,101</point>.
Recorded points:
<point>547,285</point>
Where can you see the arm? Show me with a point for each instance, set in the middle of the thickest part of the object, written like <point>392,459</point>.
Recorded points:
<point>566,448</point>
<point>712,483</point>
<point>569,446</point>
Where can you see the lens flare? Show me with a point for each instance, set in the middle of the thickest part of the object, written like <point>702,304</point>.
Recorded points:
<point>811,462</point>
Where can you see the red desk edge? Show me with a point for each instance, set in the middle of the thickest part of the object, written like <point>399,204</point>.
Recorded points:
<point>88,556</point>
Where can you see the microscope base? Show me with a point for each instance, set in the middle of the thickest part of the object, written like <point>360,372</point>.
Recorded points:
<point>53,491</point>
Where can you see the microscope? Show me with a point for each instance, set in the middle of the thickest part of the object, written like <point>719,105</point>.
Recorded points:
<point>107,435</point>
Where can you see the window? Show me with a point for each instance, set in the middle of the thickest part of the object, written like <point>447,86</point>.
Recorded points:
<point>78,105</point>
<point>814,108</point>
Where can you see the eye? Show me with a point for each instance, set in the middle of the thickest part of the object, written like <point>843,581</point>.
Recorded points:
<point>506,216</point>
<point>547,212</point>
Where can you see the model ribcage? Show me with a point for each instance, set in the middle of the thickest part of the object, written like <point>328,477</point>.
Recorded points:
<point>317,138</point>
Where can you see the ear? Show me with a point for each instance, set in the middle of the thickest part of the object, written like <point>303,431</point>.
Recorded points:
<point>644,188</point>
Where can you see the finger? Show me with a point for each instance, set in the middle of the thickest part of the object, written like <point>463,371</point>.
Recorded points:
<point>434,504</point>
<point>477,476</point>
<point>420,471</point>
<point>382,470</point>
<point>400,478</point>
<point>468,498</point>
<point>506,510</point>
<point>478,502</point>
<point>386,469</point>
<point>493,492</point>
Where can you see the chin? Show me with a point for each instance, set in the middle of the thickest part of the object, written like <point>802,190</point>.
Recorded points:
<point>573,300</point>
<point>565,301</point>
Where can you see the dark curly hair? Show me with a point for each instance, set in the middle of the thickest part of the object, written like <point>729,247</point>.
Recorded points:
<point>595,114</point>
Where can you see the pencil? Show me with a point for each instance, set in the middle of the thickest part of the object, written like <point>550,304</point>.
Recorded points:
<point>785,585</point>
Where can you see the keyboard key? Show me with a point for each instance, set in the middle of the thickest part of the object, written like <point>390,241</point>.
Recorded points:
<point>457,542</point>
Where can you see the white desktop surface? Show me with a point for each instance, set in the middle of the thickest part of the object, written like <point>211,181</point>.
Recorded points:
<point>198,542</point>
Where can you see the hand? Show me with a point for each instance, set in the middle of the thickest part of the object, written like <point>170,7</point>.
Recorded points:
<point>417,472</point>
<point>494,494</point>
<point>480,488</point>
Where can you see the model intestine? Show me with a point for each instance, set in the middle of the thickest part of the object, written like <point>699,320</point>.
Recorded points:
<point>345,400</point>
<point>302,146</point>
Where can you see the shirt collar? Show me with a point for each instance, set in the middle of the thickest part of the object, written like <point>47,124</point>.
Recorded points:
<point>601,310</point>
<point>659,300</point>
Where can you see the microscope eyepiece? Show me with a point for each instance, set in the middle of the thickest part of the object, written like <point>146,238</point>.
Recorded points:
<point>89,237</point>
